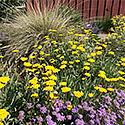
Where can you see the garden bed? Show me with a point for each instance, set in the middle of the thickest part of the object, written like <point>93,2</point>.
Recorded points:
<point>57,72</point>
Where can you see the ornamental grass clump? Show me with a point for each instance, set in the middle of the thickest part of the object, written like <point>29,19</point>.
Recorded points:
<point>26,29</point>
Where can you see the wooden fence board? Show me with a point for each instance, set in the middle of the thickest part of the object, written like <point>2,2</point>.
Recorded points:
<point>87,8</point>
<point>100,8</point>
<point>93,8</point>
<point>115,7</point>
<point>108,8</point>
<point>122,9</point>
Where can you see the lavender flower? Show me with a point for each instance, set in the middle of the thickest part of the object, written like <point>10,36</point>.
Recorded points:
<point>60,117</point>
<point>39,119</point>
<point>49,120</point>
<point>43,109</point>
<point>75,109</point>
<point>79,122</point>
<point>69,117</point>
<point>21,115</point>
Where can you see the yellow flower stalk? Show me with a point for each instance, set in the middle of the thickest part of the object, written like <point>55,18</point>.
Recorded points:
<point>63,83</point>
<point>48,88</point>
<point>15,51</point>
<point>91,60</point>
<point>4,79</point>
<point>39,47</point>
<point>34,80</point>
<point>2,85</point>
<point>27,64</point>
<point>34,95</point>
<point>64,62</point>
<point>3,114</point>
<point>90,95</point>
<point>23,58</point>
<point>69,107</point>
<point>53,77</point>
<point>93,54</point>
<point>110,89</point>
<point>86,67</point>
<point>87,74</point>
<point>121,72</point>
<point>99,52</point>
<point>50,83</point>
<point>78,94</point>
<point>62,66</point>
<point>103,90</point>
<point>65,89</point>
<point>111,53</point>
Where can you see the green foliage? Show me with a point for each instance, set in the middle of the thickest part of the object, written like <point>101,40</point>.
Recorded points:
<point>104,25</point>
<point>8,8</point>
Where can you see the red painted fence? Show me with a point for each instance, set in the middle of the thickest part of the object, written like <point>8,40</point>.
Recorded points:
<point>87,8</point>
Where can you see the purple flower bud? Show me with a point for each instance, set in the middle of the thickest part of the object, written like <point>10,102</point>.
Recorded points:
<point>68,103</point>
<point>49,120</point>
<point>79,122</point>
<point>60,117</point>
<point>69,117</point>
<point>75,110</point>
<point>39,119</point>
<point>38,106</point>
<point>43,109</point>
<point>21,115</point>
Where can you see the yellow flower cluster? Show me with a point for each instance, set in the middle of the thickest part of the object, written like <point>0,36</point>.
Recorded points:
<point>3,81</point>
<point>50,80</point>
<point>78,94</point>
<point>103,90</point>
<point>3,114</point>
<point>34,83</point>
<point>102,74</point>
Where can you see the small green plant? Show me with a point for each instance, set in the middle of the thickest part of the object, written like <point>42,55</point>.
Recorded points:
<point>104,25</point>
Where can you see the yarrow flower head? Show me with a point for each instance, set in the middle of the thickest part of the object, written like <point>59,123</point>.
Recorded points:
<point>78,94</point>
<point>65,89</point>
<point>3,114</point>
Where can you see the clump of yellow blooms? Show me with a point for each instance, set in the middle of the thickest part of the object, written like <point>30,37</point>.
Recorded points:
<point>65,89</point>
<point>90,95</point>
<point>27,64</point>
<point>34,83</point>
<point>3,81</point>
<point>15,51</point>
<point>3,115</point>
<point>102,74</point>
<point>34,95</point>
<point>24,58</point>
<point>78,94</point>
